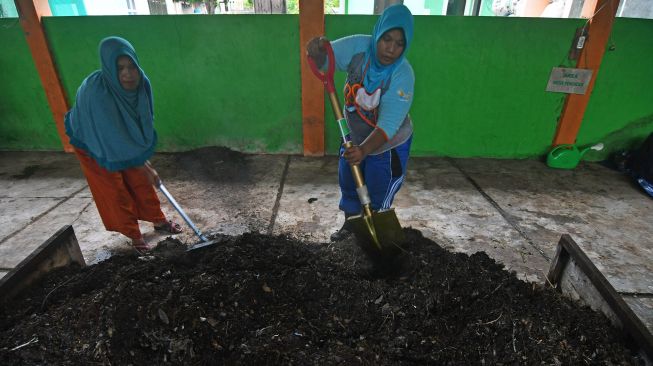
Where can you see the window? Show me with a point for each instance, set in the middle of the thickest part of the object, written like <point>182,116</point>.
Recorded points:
<point>635,9</point>
<point>131,7</point>
<point>8,9</point>
<point>157,7</point>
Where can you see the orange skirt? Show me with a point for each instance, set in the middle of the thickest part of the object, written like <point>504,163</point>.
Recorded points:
<point>122,198</point>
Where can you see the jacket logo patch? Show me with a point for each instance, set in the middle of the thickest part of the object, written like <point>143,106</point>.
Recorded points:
<point>404,96</point>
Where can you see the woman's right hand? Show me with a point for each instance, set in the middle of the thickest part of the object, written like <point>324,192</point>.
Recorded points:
<point>316,50</point>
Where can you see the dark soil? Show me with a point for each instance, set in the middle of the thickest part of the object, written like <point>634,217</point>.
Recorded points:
<point>214,163</point>
<point>256,299</point>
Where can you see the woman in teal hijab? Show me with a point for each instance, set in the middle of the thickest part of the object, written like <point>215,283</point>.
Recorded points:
<point>111,127</point>
<point>378,95</point>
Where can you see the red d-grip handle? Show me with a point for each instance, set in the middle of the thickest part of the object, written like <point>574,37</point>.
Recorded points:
<point>326,78</point>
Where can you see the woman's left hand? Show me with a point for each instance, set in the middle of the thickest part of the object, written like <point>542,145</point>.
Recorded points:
<point>354,154</point>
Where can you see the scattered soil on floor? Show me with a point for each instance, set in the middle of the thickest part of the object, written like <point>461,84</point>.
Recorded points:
<point>213,163</point>
<point>257,299</point>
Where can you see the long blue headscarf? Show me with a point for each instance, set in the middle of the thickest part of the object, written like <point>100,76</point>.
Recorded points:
<point>395,16</point>
<point>113,125</point>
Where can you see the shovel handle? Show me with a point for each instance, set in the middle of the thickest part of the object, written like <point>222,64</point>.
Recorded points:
<point>327,80</point>
<point>329,86</point>
<point>325,77</point>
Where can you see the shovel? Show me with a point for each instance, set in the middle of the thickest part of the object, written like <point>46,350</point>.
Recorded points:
<point>378,233</point>
<point>203,240</point>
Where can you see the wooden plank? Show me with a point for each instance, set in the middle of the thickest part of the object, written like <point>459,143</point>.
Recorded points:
<point>60,250</point>
<point>589,6</point>
<point>558,265</point>
<point>632,325</point>
<point>599,28</point>
<point>29,13</point>
<point>311,24</point>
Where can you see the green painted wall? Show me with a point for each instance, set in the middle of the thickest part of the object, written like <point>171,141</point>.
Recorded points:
<point>479,83</point>
<point>225,80</point>
<point>620,111</point>
<point>234,81</point>
<point>25,119</point>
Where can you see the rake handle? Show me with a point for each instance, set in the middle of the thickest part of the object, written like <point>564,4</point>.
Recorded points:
<point>174,203</point>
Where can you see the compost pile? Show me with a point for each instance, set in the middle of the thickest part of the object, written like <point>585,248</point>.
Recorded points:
<point>258,299</point>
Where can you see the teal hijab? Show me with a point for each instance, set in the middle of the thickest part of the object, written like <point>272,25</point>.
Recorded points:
<point>395,16</point>
<point>113,125</point>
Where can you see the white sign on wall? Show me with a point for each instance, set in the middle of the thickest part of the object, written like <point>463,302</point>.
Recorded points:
<point>567,80</point>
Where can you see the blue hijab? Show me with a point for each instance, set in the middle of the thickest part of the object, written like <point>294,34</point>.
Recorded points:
<point>113,125</point>
<point>395,16</point>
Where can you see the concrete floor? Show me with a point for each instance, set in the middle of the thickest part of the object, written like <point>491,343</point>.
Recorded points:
<point>515,210</point>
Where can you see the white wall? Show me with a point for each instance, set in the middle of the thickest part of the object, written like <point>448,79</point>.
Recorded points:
<point>116,7</point>
<point>174,7</point>
<point>106,7</point>
<point>361,7</point>
<point>367,7</point>
<point>417,7</point>
<point>142,8</point>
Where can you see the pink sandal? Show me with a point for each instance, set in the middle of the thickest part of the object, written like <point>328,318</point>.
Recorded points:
<point>169,227</point>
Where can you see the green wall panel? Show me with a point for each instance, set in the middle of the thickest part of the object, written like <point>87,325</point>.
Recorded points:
<point>479,83</point>
<point>222,80</point>
<point>233,80</point>
<point>620,111</point>
<point>26,122</point>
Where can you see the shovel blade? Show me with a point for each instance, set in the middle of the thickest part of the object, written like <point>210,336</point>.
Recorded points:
<point>207,243</point>
<point>202,244</point>
<point>388,231</point>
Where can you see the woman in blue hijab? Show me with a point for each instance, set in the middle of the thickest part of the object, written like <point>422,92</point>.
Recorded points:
<point>111,127</point>
<point>378,94</point>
